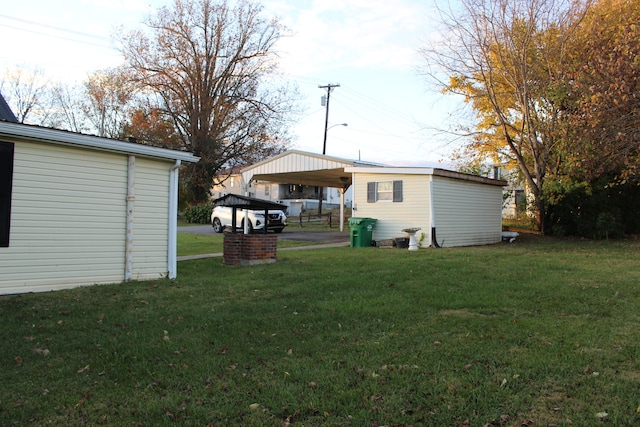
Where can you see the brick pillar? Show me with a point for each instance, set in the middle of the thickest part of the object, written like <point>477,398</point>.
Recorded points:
<point>259,249</point>
<point>232,248</point>
<point>249,249</point>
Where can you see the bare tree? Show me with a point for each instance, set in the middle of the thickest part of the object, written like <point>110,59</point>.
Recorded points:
<point>107,97</point>
<point>506,58</point>
<point>209,65</point>
<point>25,90</point>
<point>67,109</point>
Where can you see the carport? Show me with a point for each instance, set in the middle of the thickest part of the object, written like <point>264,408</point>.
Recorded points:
<point>305,168</point>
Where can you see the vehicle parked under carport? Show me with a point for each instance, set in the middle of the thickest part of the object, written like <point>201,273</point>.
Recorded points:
<point>221,217</point>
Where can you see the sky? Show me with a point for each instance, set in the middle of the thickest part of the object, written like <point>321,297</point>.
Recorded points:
<point>394,115</point>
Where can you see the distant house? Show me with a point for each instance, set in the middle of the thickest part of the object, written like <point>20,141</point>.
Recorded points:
<point>227,181</point>
<point>451,208</point>
<point>79,210</point>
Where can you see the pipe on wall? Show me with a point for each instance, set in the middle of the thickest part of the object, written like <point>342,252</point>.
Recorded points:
<point>433,241</point>
<point>131,198</point>
<point>172,256</point>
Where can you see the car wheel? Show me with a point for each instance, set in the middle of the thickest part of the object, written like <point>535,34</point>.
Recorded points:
<point>217,225</point>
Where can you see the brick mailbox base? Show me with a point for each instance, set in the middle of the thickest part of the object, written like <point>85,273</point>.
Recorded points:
<point>249,249</point>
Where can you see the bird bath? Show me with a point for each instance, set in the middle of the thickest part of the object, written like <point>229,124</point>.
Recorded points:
<point>413,243</point>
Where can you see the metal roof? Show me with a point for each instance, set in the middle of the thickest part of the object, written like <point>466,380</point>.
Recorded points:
<point>55,136</point>
<point>300,167</point>
<point>5,111</point>
<point>429,171</point>
<point>244,202</point>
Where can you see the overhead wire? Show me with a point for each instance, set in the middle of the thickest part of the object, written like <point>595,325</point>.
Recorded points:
<point>356,103</point>
<point>377,108</point>
<point>106,40</point>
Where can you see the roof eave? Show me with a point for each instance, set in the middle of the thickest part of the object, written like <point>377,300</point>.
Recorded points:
<point>427,171</point>
<point>55,136</point>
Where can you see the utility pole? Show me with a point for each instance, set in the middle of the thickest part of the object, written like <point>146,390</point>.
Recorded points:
<point>328,87</point>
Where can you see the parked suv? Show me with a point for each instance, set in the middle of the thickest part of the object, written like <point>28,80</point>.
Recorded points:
<point>221,218</point>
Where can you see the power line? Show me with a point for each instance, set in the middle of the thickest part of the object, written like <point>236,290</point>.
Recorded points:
<point>375,104</point>
<point>58,29</point>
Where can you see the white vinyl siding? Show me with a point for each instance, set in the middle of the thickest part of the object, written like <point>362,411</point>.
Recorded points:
<point>466,213</point>
<point>68,218</point>
<point>393,217</point>
<point>151,219</point>
<point>467,209</point>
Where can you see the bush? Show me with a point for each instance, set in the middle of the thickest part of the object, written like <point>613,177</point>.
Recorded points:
<point>602,209</point>
<point>609,224</point>
<point>198,214</point>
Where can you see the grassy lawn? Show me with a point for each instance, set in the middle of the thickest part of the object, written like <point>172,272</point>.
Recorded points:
<point>197,244</point>
<point>540,332</point>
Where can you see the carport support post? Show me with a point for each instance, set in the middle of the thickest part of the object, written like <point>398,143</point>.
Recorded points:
<point>266,221</point>
<point>234,222</point>
<point>342,191</point>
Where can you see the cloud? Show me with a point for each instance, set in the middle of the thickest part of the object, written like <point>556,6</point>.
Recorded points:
<point>354,33</point>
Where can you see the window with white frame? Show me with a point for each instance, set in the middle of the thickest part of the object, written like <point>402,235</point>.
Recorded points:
<point>384,191</point>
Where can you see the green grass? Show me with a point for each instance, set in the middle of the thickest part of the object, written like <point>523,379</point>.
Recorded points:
<point>197,244</point>
<point>542,331</point>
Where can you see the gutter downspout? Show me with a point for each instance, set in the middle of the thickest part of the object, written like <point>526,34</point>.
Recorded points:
<point>172,256</point>
<point>433,241</point>
<point>131,198</point>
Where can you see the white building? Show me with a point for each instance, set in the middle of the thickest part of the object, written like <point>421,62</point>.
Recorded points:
<point>450,208</point>
<point>78,209</point>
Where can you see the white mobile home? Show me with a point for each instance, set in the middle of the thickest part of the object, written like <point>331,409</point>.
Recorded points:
<point>450,208</point>
<point>78,209</point>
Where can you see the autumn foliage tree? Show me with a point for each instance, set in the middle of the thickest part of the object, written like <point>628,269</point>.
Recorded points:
<point>151,127</point>
<point>505,57</point>
<point>596,190</point>
<point>602,126</point>
<point>555,89</point>
<point>207,67</point>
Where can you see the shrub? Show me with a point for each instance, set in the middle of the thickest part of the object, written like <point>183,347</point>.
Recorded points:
<point>198,214</point>
<point>603,209</point>
<point>609,224</point>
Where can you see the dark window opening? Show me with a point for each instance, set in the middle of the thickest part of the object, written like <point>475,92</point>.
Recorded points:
<point>6,183</point>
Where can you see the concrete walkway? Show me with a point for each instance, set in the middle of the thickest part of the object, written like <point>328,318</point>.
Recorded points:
<point>293,248</point>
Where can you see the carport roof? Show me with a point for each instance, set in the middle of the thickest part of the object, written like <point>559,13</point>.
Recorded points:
<point>304,168</point>
<point>237,201</point>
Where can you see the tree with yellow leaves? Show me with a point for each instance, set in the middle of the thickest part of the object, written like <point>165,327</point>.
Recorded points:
<point>506,58</point>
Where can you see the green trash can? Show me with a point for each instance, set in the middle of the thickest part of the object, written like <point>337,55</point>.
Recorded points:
<point>361,231</point>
